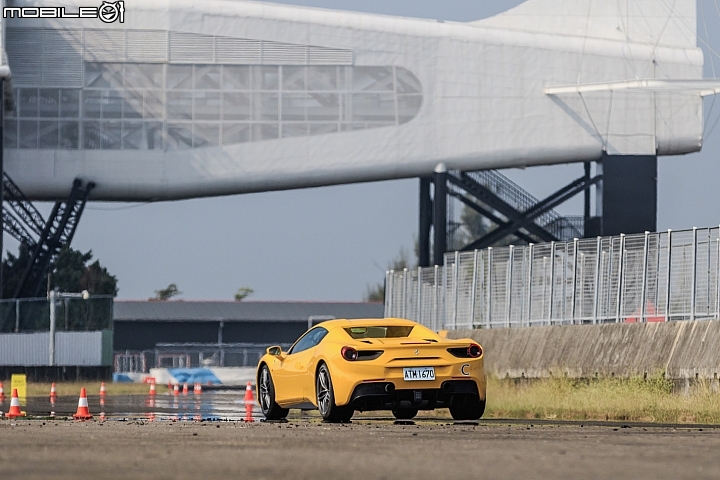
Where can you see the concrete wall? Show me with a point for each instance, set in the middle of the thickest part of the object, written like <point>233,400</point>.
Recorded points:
<point>684,350</point>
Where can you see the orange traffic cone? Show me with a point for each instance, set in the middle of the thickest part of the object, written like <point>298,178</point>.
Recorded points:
<point>176,390</point>
<point>152,389</point>
<point>102,389</point>
<point>197,389</point>
<point>83,412</point>
<point>185,389</point>
<point>53,392</point>
<point>15,406</point>
<point>248,413</point>
<point>249,398</point>
<point>2,392</point>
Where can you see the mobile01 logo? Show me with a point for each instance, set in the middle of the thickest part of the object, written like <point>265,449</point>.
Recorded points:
<point>108,12</point>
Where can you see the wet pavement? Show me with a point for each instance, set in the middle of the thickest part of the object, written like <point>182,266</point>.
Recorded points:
<point>218,405</point>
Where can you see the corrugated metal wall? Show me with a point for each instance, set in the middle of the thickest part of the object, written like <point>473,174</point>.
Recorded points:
<point>85,349</point>
<point>25,349</point>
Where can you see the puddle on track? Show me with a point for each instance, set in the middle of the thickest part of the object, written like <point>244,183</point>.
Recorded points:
<point>209,406</point>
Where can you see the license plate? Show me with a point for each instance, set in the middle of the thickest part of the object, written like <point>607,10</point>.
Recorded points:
<point>415,374</point>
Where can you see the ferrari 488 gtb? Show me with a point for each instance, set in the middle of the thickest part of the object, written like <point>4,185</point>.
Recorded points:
<point>341,366</point>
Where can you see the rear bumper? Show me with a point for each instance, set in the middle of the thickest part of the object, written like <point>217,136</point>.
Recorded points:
<point>384,395</point>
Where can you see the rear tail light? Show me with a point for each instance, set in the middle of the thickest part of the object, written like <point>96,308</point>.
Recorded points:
<point>349,354</point>
<point>474,351</point>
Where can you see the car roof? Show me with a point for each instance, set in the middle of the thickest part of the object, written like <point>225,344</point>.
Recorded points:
<point>370,322</point>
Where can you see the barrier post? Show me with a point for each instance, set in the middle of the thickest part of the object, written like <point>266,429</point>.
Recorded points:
<point>419,296</point>
<point>531,250</point>
<point>621,265</point>
<point>435,299</point>
<point>598,266</point>
<point>693,289</point>
<point>488,305</point>
<point>17,316</point>
<point>643,290</point>
<point>552,281</point>
<point>456,289</point>
<point>717,280</point>
<point>667,284</point>
<point>508,286</point>
<point>404,293</point>
<point>709,272</point>
<point>543,296</point>
<point>51,342</point>
<point>575,283</point>
<point>473,292</point>
<point>388,293</point>
<point>443,300</point>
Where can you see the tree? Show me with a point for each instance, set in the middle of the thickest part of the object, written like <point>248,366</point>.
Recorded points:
<point>243,293</point>
<point>70,273</point>
<point>166,294</point>
<point>13,268</point>
<point>376,293</point>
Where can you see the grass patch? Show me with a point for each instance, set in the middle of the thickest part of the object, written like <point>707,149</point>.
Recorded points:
<point>618,399</point>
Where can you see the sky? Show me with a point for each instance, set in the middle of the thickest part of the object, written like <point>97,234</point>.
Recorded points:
<point>330,243</point>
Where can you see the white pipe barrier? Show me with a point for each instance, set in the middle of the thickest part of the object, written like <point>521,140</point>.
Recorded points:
<point>651,277</point>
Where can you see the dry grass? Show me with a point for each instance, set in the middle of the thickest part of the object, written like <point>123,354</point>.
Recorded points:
<point>634,399</point>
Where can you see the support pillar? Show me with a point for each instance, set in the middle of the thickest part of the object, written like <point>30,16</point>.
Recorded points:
<point>440,215</point>
<point>586,212</point>
<point>627,199</point>
<point>426,221</point>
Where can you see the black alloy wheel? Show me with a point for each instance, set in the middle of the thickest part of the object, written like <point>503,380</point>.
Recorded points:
<point>266,395</point>
<point>326,399</point>
<point>405,413</point>
<point>468,408</point>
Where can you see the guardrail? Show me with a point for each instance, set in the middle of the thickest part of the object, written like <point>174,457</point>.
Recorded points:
<point>191,355</point>
<point>655,277</point>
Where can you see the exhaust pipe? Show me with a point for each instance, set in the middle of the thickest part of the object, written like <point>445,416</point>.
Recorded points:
<point>447,387</point>
<point>389,388</point>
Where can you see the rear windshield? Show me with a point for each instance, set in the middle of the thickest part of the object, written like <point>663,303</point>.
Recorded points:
<point>379,332</point>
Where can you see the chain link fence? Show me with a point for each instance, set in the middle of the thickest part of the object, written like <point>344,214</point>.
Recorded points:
<point>27,315</point>
<point>655,277</point>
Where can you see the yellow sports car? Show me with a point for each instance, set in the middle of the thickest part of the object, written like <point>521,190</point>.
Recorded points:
<point>341,366</point>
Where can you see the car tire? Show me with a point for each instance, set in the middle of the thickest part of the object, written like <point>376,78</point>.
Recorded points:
<point>467,409</point>
<point>405,413</point>
<point>325,397</point>
<point>266,396</point>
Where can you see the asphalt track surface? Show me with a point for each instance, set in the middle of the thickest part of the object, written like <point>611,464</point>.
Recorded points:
<point>377,447</point>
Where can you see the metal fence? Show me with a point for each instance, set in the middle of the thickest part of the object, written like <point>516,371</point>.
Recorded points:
<point>654,277</point>
<point>72,314</point>
<point>191,355</point>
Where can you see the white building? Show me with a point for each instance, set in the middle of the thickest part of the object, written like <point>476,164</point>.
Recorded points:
<point>189,98</point>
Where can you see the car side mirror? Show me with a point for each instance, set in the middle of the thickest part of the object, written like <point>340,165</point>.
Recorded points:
<point>275,351</point>
<point>443,333</point>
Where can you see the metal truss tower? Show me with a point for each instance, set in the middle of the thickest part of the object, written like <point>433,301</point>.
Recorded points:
<point>43,238</point>
<point>626,202</point>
